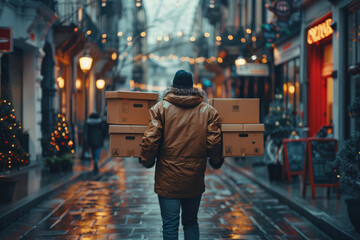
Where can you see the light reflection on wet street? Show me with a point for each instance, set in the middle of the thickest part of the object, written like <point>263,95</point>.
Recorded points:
<point>121,204</point>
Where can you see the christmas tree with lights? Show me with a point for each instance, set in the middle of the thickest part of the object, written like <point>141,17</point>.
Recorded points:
<point>348,158</point>
<point>12,155</point>
<point>61,143</point>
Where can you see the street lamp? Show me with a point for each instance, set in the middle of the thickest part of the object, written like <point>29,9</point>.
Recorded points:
<point>61,84</point>
<point>240,61</point>
<point>100,84</point>
<point>85,65</point>
<point>78,84</point>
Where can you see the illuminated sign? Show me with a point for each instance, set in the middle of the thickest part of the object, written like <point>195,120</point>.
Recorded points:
<point>319,32</point>
<point>252,69</point>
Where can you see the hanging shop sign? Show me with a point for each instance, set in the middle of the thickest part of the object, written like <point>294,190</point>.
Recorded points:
<point>282,9</point>
<point>6,40</point>
<point>282,24</point>
<point>252,70</point>
<point>319,32</point>
<point>269,36</point>
<point>270,32</point>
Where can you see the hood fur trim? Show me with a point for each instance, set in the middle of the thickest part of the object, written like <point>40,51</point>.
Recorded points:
<point>186,92</point>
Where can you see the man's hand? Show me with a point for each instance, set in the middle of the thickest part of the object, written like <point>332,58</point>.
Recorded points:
<point>216,164</point>
<point>146,163</point>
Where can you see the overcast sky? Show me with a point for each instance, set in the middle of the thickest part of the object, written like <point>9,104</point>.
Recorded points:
<point>169,17</point>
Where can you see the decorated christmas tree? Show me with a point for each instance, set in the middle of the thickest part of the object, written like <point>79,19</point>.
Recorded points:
<point>61,143</point>
<point>354,108</point>
<point>12,155</point>
<point>348,158</point>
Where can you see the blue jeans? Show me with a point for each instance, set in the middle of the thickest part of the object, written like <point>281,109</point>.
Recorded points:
<point>170,211</point>
<point>95,152</point>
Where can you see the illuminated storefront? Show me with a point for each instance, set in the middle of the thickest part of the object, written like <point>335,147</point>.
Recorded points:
<point>320,74</point>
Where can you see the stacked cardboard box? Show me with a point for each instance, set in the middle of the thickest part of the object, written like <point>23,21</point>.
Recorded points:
<point>242,133</point>
<point>128,116</point>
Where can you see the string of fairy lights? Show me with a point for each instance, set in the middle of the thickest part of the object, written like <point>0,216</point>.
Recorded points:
<point>166,38</point>
<point>248,36</point>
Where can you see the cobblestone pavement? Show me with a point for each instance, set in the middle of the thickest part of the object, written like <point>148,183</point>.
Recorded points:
<point>121,204</point>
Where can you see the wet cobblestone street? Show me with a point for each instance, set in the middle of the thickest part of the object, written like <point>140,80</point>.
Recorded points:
<point>121,204</point>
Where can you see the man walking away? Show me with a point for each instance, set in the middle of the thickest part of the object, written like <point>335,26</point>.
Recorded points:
<point>182,133</point>
<point>95,130</point>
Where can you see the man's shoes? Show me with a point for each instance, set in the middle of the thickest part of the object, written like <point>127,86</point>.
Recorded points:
<point>96,170</point>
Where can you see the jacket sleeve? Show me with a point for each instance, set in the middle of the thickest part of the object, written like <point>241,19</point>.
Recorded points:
<point>214,140</point>
<point>152,138</point>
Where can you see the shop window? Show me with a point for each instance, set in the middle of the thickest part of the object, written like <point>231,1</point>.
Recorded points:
<point>288,76</point>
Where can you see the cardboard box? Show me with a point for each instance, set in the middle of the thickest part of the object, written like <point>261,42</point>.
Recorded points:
<point>125,107</point>
<point>240,140</point>
<point>125,140</point>
<point>237,110</point>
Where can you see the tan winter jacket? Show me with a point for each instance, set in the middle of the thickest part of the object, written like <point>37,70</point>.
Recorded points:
<point>182,133</point>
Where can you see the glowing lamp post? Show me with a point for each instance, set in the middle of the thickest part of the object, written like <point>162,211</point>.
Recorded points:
<point>85,65</point>
<point>61,84</point>
<point>85,62</point>
<point>240,61</point>
<point>100,84</point>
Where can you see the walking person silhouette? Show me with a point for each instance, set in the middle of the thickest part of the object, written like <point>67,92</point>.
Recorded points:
<point>182,134</point>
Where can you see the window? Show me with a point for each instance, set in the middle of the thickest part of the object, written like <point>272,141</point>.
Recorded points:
<point>288,74</point>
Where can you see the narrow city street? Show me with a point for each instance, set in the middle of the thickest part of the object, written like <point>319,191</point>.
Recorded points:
<point>90,87</point>
<point>121,204</point>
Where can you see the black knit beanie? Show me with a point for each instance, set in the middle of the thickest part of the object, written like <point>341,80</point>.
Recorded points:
<point>182,79</point>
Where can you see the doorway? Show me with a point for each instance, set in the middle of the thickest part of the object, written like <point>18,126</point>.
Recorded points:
<point>320,97</point>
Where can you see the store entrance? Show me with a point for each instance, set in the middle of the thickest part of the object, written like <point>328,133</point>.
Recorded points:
<point>320,104</point>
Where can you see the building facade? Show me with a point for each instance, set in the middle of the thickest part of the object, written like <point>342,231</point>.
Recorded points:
<point>41,75</point>
<point>330,50</point>
<point>311,49</point>
<point>22,69</point>
<point>346,60</point>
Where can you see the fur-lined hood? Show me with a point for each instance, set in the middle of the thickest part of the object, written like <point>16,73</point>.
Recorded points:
<point>185,98</point>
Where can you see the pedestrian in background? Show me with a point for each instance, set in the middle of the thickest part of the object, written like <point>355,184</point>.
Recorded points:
<point>182,133</point>
<point>95,130</point>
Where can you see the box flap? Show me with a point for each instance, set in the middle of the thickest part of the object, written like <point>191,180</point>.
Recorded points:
<point>254,127</point>
<point>242,127</point>
<point>127,128</point>
<point>131,95</point>
<point>232,127</point>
